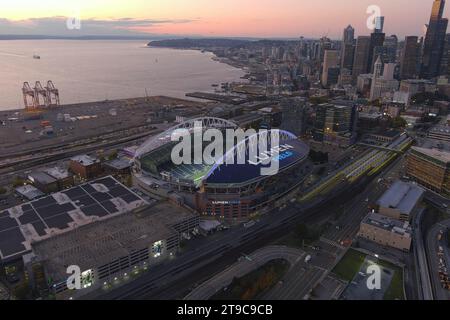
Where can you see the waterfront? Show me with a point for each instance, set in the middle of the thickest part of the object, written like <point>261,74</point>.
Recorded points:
<point>87,71</point>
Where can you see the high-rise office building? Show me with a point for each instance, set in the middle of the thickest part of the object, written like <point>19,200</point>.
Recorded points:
<point>294,115</point>
<point>434,41</point>
<point>445,61</point>
<point>379,24</point>
<point>360,64</point>
<point>409,65</point>
<point>348,48</point>
<point>391,45</point>
<point>330,63</point>
<point>349,34</point>
<point>376,40</point>
<point>333,119</point>
<point>325,44</point>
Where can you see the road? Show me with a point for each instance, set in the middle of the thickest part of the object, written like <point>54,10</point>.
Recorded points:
<point>347,225</point>
<point>432,245</point>
<point>245,266</point>
<point>420,254</point>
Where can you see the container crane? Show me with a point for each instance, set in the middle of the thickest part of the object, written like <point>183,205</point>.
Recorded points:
<point>52,94</point>
<point>38,92</point>
<point>28,97</point>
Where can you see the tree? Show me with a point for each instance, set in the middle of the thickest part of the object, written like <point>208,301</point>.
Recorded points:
<point>428,98</point>
<point>3,190</point>
<point>318,100</point>
<point>22,291</point>
<point>17,182</point>
<point>113,155</point>
<point>398,122</point>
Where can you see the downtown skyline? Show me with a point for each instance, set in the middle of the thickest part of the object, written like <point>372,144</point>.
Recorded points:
<point>258,19</point>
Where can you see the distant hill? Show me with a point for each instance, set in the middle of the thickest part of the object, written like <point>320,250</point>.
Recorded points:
<point>198,43</point>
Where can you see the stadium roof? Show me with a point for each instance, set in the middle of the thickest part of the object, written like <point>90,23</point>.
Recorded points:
<point>163,138</point>
<point>292,151</point>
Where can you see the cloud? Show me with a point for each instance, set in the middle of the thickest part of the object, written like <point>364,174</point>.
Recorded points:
<point>57,26</point>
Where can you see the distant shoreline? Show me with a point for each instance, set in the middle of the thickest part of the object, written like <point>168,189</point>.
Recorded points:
<point>198,45</point>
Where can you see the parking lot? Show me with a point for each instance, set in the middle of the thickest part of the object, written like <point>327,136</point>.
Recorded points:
<point>358,289</point>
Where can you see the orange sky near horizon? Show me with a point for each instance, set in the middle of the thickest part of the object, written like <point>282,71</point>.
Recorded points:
<point>258,18</point>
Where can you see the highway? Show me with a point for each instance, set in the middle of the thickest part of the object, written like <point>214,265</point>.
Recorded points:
<point>420,254</point>
<point>432,245</point>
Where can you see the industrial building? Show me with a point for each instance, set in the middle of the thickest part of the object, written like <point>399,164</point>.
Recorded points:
<point>109,252</point>
<point>63,177</point>
<point>86,167</point>
<point>440,133</point>
<point>51,179</point>
<point>102,227</point>
<point>61,212</point>
<point>386,231</point>
<point>118,166</point>
<point>28,192</point>
<point>400,200</point>
<point>384,136</point>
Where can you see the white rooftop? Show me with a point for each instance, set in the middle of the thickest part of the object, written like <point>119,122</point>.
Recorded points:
<point>402,196</point>
<point>84,159</point>
<point>392,225</point>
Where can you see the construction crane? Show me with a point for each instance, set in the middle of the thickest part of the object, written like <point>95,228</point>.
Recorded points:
<point>38,92</point>
<point>52,94</point>
<point>28,97</point>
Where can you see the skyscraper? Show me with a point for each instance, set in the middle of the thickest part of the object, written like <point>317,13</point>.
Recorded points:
<point>330,63</point>
<point>360,64</point>
<point>410,58</point>
<point>434,41</point>
<point>379,24</point>
<point>445,61</point>
<point>349,34</point>
<point>391,45</point>
<point>348,48</point>
<point>376,40</point>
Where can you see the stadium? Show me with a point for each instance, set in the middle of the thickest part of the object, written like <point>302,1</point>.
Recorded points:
<point>231,191</point>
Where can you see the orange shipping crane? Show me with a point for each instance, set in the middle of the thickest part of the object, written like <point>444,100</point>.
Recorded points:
<point>52,94</point>
<point>28,97</point>
<point>38,92</point>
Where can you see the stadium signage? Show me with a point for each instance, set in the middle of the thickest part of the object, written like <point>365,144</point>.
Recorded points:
<point>275,154</point>
<point>257,148</point>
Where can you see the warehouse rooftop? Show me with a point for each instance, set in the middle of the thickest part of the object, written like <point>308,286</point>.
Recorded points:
<point>102,242</point>
<point>61,212</point>
<point>402,196</point>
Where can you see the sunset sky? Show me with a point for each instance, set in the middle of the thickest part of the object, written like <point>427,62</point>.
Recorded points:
<point>248,18</point>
